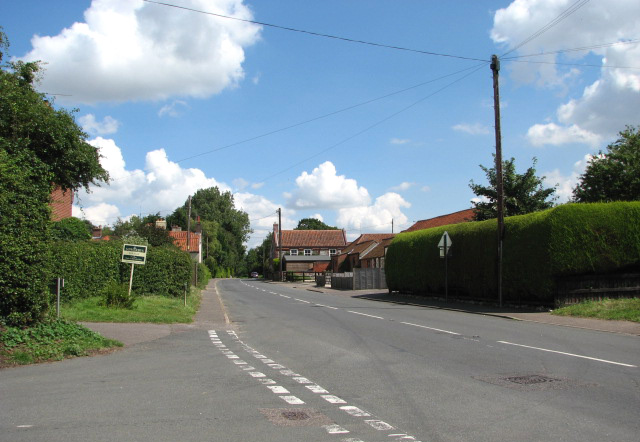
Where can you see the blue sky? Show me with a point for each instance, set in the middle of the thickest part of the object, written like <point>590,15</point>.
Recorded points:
<point>178,100</point>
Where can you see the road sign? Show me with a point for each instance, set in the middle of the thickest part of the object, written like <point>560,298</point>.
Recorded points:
<point>134,254</point>
<point>445,244</point>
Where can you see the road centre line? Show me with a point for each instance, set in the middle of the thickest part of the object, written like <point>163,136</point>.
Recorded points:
<point>569,354</point>
<point>302,300</point>
<point>431,328</point>
<point>364,314</point>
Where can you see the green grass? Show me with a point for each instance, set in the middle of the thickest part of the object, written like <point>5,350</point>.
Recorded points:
<point>49,341</point>
<point>154,309</point>
<point>616,309</point>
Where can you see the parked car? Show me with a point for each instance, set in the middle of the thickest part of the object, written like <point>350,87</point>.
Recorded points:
<point>254,274</point>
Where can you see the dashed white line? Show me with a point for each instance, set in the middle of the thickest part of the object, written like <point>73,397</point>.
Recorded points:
<point>333,399</point>
<point>431,328</point>
<point>316,389</point>
<point>335,429</point>
<point>285,296</point>
<point>302,300</point>
<point>364,314</point>
<point>354,411</point>
<point>292,400</point>
<point>379,425</point>
<point>569,354</point>
<point>277,389</point>
<point>257,374</point>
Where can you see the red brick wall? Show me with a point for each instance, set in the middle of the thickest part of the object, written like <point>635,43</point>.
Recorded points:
<point>60,204</point>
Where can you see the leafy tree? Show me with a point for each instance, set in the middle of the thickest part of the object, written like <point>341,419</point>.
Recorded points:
<point>225,229</point>
<point>614,175</point>
<point>39,145</point>
<point>313,224</point>
<point>70,229</point>
<point>523,193</point>
<point>258,259</point>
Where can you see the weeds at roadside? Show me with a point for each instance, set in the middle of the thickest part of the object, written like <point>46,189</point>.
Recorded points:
<point>614,309</point>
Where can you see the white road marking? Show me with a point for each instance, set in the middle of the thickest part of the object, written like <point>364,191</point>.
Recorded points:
<point>333,399</point>
<point>248,367</point>
<point>351,439</point>
<point>24,426</point>
<point>569,354</point>
<point>273,293</point>
<point>379,425</point>
<point>276,366</point>
<point>268,361</point>
<point>239,362</point>
<point>354,411</point>
<point>259,356</point>
<point>301,380</point>
<point>431,328</point>
<point>257,374</point>
<point>233,356</point>
<point>364,314</point>
<point>292,400</point>
<point>277,389</point>
<point>335,429</point>
<point>285,296</point>
<point>289,372</point>
<point>266,381</point>
<point>316,389</point>
<point>402,436</point>
<point>302,300</point>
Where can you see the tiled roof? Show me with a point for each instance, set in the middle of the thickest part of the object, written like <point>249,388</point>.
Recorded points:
<point>443,220</point>
<point>377,237</point>
<point>378,251</point>
<point>334,239</point>
<point>180,240</point>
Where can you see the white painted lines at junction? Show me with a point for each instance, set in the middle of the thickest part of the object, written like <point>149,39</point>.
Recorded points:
<point>569,354</point>
<point>364,314</point>
<point>431,328</point>
<point>285,392</point>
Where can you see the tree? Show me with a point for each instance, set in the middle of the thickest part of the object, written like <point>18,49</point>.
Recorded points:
<point>225,229</point>
<point>39,146</point>
<point>70,229</point>
<point>614,175</point>
<point>523,193</point>
<point>258,259</point>
<point>313,224</point>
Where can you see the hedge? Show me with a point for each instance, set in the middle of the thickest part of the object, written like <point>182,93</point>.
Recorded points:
<point>567,240</point>
<point>89,266</point>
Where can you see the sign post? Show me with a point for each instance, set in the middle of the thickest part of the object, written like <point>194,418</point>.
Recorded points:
<point>445,246</point>
<point>133,254</point>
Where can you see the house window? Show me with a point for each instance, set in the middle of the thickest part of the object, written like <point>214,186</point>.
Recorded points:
<point>332,252</point>
<point>307,252</point>
<point>293,252</point>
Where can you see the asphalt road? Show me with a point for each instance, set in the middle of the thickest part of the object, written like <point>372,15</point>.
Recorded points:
<point>302,366</point>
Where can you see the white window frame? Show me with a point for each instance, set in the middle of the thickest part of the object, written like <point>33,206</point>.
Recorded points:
<point>333,252</point>
<point>293,252</point>
<point>308,252</point>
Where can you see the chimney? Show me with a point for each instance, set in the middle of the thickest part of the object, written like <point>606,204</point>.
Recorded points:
<point>275,234</point>
<point>96,232</point>
<point>198,225</point>
<point>175,228</point>
<point>161,224</point>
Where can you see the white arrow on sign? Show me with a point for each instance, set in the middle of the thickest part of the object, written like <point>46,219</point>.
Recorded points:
<point>445,240</point>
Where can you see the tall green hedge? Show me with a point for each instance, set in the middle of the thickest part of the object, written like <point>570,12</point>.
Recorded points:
<point>569,239</point>
<point>89,266</point>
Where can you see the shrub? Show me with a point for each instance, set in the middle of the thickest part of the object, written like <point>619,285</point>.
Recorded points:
<point>566,240</point>
<point>70,229</point>
<point>166,271</point>
<point>117,295</point>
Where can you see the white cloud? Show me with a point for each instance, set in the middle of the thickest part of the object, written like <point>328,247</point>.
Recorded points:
<point>377,217</point>
<point>551,133</point>
<point>608,103</point>
<point>161,187</point>
<point>109,125</point>
<point>399,141</point>
<point>262,214</point>
<point>324,189</point>
<point>175,109</point>
<point>473,129</point>
<point>240,183</point>
<point>402,187</point>
<point>566,183</point>
<point>100,214</point>
<point>257,185</point>
<point>131,50</point>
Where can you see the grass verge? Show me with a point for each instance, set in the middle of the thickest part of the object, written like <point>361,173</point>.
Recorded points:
<point>51,340</point>
<point>154,309</point>
<point>615,309</point>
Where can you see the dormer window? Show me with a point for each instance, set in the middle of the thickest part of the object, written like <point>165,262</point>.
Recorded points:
<point>293,252</point>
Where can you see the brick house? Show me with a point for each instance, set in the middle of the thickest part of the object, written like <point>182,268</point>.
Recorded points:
<point>61,203</point>
<point>195,242</point>
<point>462,216</point>
<point>358,253</point>
<point>307,250</point>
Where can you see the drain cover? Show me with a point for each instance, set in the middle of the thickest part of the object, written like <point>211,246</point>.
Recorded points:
<point>295,417</point>
<point>532,382</point>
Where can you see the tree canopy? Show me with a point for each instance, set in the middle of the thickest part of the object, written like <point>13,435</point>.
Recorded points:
<point>523,193</point>
<point>613,175</point>
<point>313,224</point>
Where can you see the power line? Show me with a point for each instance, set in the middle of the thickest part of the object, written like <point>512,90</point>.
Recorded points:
<point>316,34</point>
<point>580,49</point>
<point>378,123</point>
<point>573,64</point>
<point>563,15</point>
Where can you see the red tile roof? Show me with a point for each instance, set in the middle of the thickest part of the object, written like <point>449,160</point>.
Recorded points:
<point>377,237</point>
<point>180,240</point>
<point>378,251</point>
<point>334,239</point>
<point>443,220</point>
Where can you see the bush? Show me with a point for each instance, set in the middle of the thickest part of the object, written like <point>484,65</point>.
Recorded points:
<point>117,295</point>
<point>204,275</point>
<point>566,240</point>
<point>70,229</point>
<point>165,273</point>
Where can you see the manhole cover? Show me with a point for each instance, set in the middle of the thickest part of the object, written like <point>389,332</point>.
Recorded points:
<point>295,415</point>
<point>530,379</point>
<point>532,382</point>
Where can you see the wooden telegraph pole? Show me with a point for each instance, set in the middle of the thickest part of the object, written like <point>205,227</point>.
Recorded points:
<point>495,68</point>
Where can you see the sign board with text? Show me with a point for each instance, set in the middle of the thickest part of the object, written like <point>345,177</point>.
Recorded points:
<point>134,254</point>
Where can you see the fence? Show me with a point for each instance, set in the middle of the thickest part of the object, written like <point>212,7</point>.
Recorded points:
<point>573,289</point>
<point>359,279</point>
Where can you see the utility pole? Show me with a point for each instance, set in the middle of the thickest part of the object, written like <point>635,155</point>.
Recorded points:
<point>392,226</point>
<point>189,223</point>
<point>280,243</point>
<point>495,68</point>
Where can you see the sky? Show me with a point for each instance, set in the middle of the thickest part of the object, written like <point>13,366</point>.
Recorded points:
<point>386,124</point>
